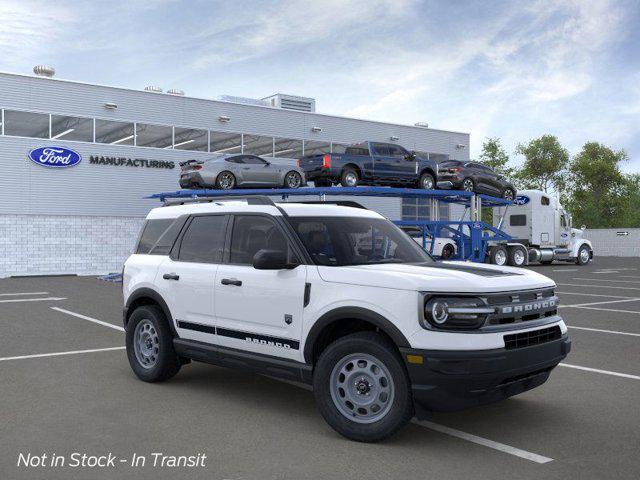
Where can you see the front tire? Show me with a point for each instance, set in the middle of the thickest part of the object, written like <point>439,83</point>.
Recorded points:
<point>149,344</point>
<point>584,255</point>
<point>362,388</point>
<point>427,182</point>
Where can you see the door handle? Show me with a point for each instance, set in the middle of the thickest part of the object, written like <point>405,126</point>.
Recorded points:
<point>171,276</point>
<point>231,281</point>
<point>246,168</point>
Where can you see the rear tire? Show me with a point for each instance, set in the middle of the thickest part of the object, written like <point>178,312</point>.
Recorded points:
<point>349,177</point>
<point>149,344</point>
<point>499,256</point>
<point>225,180</point>
<point>362,388</point>
<point>448,251</point>
<point>468,185</point>
<point>517,256</point>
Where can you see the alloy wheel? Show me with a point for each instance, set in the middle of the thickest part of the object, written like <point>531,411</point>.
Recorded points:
<point>467,185</point>
<point>293,180</point>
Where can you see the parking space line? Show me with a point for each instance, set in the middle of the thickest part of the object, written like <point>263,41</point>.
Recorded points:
<point>89,319</point>
<point>565,269</point>
<point>58,354</point>
<point>16,300</point>
<point>22,293</point>
<point>596,286</point>
<point>604,331</point>
<point>605,280</point>
<point>592,294</point>
<point>604,309</point>
<point>597,370</point>
<point>534,457</point>
<point>597,303</point>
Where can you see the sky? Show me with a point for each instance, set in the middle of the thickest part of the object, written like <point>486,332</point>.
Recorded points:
<point>514,70</point>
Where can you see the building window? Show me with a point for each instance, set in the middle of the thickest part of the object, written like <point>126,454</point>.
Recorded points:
<point>26,124</point>
<point>71,128</point>
<point>157,136</point>
<point>190,139</point>
<point>258,145</point>
<point>287,148</point>
<point>224,142</point>
<point>114,133</point>
<point>312,147</point>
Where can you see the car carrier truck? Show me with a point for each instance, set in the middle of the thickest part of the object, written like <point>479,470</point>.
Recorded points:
<point>538,222</point>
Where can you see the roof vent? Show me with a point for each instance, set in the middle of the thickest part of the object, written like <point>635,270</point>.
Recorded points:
<point>44,71</point>
<point>292,102</point>
<point>422,124</point>
<point>153,88</point>
<point>176,91</point>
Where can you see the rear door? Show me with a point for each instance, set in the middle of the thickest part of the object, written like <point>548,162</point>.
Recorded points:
<point>259,310</point>
<point>186,278</point>
<point>382,161</point>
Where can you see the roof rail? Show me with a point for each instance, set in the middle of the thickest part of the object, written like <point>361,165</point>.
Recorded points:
<point>341,203</point>
<point>250,199</point>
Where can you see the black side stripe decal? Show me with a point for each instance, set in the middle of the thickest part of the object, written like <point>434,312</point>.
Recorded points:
<point>249,337</point>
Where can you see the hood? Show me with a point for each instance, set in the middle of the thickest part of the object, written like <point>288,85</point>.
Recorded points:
<point>454,277</point>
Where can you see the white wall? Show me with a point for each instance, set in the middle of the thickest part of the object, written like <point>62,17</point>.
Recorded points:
<point>612,242</point>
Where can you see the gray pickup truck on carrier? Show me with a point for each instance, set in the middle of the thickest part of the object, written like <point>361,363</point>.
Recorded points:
<point>371,163</point>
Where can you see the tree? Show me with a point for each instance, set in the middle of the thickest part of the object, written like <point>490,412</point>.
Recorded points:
<point>599,192</point>
<point>631,216</point>
<point>545,165</point>
<point>494,155</point>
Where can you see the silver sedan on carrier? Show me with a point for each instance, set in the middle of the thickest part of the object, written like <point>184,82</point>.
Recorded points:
<point>240,170</point>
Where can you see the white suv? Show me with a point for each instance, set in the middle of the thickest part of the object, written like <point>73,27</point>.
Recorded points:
<point>340,298</point>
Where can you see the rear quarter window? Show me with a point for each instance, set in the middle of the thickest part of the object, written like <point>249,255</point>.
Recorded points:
<point>151,232</point>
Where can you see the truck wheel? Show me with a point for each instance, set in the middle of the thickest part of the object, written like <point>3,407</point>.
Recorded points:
<point>499,255</point>
<point>349,177</point>
<point>427,182</point>
<point>225,181</point>
<point>448,251</point>
<point>149,344</point>
<point>517,256</point>
<point>362,388</point>
<point>584,255</point>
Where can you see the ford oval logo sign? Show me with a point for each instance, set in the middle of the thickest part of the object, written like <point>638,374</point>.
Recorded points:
<point>56,157</point>
<point>521,200</point>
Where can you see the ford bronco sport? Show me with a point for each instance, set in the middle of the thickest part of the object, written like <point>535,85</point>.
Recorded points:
<point>337,297</point>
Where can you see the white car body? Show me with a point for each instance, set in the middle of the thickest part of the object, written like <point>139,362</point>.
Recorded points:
<point>277,315</point>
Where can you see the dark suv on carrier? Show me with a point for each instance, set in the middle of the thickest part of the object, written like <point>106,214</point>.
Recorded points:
<point>474,177</point>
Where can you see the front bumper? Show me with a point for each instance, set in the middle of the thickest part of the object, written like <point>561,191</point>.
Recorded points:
<point>453,380</point>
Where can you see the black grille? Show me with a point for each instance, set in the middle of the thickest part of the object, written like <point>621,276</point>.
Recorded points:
<point>534,337</point>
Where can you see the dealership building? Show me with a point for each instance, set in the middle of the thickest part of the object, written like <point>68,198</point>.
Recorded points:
<point>127,144</point>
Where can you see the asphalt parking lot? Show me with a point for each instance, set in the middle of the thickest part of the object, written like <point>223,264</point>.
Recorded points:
<point>66,386</point>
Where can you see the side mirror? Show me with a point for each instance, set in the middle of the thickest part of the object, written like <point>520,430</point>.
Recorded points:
<point>271,260</point>
<point>583,227</point>
<point>410,156</point>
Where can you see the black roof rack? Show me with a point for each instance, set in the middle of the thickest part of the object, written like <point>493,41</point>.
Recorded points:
<point>250,199</point>
<point>341,203</point>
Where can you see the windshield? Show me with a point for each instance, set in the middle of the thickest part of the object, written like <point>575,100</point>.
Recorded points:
<point>343,241</point>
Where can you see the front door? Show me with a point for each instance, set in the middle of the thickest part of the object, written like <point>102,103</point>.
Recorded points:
<point>257,171</point>
<point>187,278</point>
<point>403,164</point>
<point>259,310</point>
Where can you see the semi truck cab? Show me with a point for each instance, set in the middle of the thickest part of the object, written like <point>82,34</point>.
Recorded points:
<point>538,221</point>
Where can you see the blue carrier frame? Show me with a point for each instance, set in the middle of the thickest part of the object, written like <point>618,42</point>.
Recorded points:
<point>472,237</point>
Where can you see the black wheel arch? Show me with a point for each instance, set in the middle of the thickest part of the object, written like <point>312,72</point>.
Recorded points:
<point>147,296</point>
<point>353,166</point>
<point>428,170</point>
<point>332,318</point>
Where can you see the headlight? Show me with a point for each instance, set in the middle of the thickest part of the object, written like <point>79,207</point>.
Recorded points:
<point>455,313</point>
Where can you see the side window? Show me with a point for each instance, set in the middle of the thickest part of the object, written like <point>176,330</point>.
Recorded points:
<point>168,238</point>
<point>517,220</point>
<point>563,221</point>
<point>151,232</point>
<point>397,151</point>
<point>380,149</point>
<point>253,160</point>
<point>203,241</point>
<point>544,200</point>
<point>252,233</point>
<point>238,159</point>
